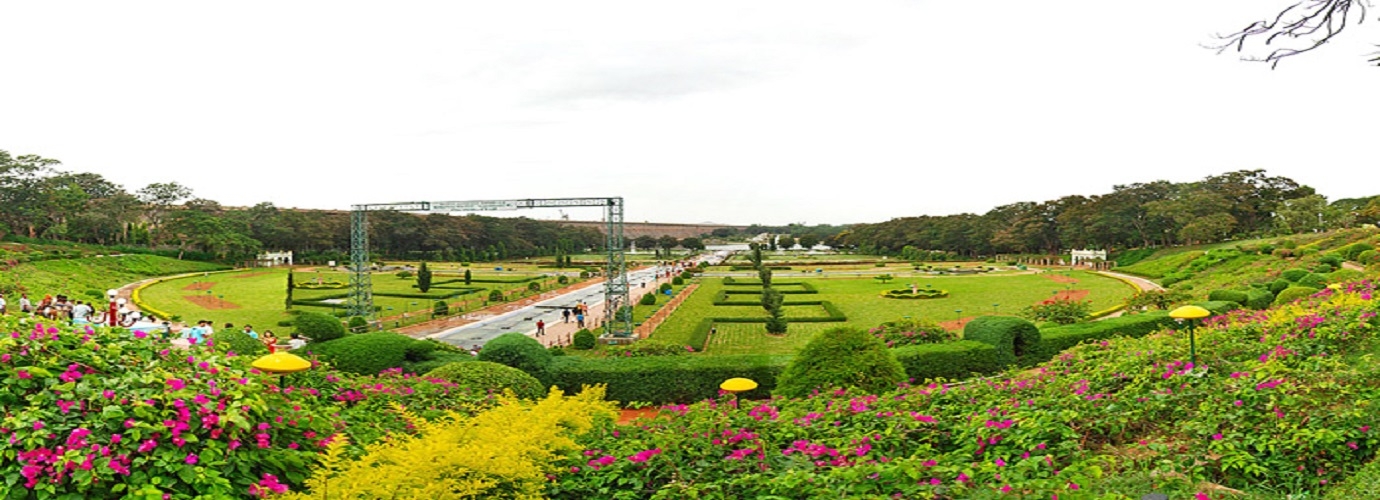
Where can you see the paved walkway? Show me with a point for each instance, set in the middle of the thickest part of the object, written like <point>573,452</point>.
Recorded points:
<point>1353,266</point>
<point>1141,283</point>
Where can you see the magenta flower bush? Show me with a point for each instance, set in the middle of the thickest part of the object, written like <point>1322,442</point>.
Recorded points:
<point>1274,407</point>
<point>94,414</point>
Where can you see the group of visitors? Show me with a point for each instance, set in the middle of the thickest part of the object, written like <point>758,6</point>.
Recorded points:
<point>204,329</point>
<point>58,308</point>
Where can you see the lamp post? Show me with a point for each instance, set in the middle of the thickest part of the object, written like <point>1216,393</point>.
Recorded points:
<point>1191,314</point>
<point>994,309</point>
<point>958,315</point>
<point>281,363</point>
<point>737,385</point>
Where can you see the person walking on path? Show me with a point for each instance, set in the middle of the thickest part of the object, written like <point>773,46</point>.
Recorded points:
<point>565,315</point>
<point>541,328</point>
<point>579,320</point>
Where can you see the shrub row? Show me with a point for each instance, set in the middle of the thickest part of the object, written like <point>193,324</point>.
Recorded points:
<point>952,360</point>
<point>667,379</point>
<point>1055,340</point>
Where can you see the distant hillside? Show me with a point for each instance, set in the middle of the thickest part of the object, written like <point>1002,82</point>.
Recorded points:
<point>41,272</point>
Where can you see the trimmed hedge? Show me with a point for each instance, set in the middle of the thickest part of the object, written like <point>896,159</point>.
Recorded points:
<point>1279,285</point>
<point>1313,280</point>
<point>1259,299</point>
<point>1294,293</point>
<point>365,353</point>
<point>1238,297</point>
<point>318,327</point>
<point>1218,307</point>
<point>1013,337</point>
<point>667,379</point>
<point>237,342</point>
<point>584,340</point>
<point>951,360</point>
<point>484,376</point>
<point>841,357</point>
<point>521,352</point>
<point>1293,275</point>
<point>1058,339</point>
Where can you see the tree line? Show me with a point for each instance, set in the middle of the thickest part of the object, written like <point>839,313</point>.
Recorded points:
<point>37,200</point>
<point>1244,203</point>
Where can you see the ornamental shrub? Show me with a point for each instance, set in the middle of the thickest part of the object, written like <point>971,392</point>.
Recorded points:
<point>1013,337</point>
<point>507,451</point>
<point>664,287</point>
<point>1333,260</point>
<point>521,352</point>
<point>1259,299</point>
<point>318,327</point>
<point>1218,307</point>
<point>562,279</point>
<point>358,324</point>
<point>649,347</point>
<point>953,361</point>
<point>1236,296</point>
<point>439,309</point>
<point>1061,338</point>
<point>534,286</point>
<point>365,353</point>
<point>495,295</point>
<point>1313,280</point>
<point>647,299</point>
<point>1324,268</point>
<point>667,379</point>
<point>483,376</point>
<point>237,342</point>
<point>1283,253</point>
<point>1063,312</point>
<point>1279,285</point>
<point>904,332</point>
<point>1345,275</point>
<point>841,357</point>
<point>129,409</point>
<point>584,340</point>
<point>1293,275</point>
<point>1354,250</point>
<point>1367,257</point>
<point>1294,293</point>
<point>677,281</point>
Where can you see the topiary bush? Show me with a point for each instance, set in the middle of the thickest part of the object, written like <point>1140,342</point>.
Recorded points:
<point>1279,285</point>
<point>1367,257</point>
<point>366,353</point>
<point>647,299</point>
<point>1324,268</point>
<point>1013,337</point>
<point>1333,260</point>
<point>953,361</point>
<point>667,379</point>
<point>1293,275</point>
<point>1238,297</point>
<point>841,357</point>
<point>358,324</point>
<point>904,332</point>
<point>495,295</point>
<point>521,352</point>
<point>1058,339</point>
<point>1354,250</point>
<point>318,327</point>
<point>490,377</point>
<point>1345,275</point>
<point>1294,293</point>
<point>677,281</point>
<point>584,340</point>
<point>237,342</point>
<point>1259,299</point>
<point>1313,280</point>
<point>664,287</point>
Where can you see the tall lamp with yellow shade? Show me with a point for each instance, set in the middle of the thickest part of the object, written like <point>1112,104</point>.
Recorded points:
<point>1191,314</point>
<point>737,385</point>
<point>281,363</point>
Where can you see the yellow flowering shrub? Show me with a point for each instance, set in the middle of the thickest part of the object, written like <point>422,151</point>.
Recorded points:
<point>504,452</point>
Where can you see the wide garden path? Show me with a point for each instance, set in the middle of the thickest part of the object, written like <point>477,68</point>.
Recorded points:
<point>1139,282</point>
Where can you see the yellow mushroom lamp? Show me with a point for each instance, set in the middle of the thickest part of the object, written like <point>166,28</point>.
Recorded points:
<point>1191,314</point>
<point>737,385</point>
<point>281,363</point>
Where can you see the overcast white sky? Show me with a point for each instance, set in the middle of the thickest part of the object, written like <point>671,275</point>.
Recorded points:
<point>735,112</point>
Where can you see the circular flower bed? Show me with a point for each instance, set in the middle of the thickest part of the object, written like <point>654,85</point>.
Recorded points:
<point>924,293</point>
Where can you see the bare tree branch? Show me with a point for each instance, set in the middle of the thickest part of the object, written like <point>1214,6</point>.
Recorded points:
<point>1301,28</point>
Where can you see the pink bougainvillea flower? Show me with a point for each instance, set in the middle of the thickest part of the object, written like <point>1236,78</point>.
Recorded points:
<point>1201,496</point>
<point>23,373</point>
<point>176,384</point>
<point>191,459</point>
<point>1217,437</point>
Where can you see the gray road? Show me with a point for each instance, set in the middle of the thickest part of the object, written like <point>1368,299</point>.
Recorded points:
<point>524,320</point>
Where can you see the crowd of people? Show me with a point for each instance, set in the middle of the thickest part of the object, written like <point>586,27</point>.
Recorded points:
<point>79,312</point>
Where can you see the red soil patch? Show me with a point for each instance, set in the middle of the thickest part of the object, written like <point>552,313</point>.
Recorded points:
<point>1059,278</point>
<point>250,275</point>
<point>199,286</point>
<point>1074,295</point>
<point>210,303</point>
<point>956,324</point>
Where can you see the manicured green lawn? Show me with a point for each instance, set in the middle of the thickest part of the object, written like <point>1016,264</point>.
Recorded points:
<point>79,278</point>
<point>860,300</point>
<point>260,295</point>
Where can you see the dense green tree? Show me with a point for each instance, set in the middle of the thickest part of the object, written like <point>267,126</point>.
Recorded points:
<point>424,278</point>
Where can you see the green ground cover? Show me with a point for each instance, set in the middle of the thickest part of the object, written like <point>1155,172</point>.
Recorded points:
<point>260,295</point>
<point>78,277</point>
<point>860,300</point>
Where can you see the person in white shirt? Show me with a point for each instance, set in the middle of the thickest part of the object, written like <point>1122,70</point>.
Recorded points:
<point>297,342</point>
<point>2,305</point>
<point>81,312</point>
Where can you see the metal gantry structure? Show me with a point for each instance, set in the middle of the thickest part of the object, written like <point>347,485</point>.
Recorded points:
<point>617,307</point>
